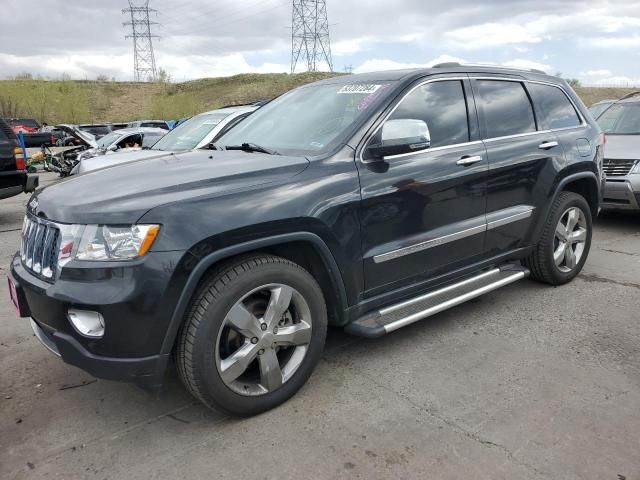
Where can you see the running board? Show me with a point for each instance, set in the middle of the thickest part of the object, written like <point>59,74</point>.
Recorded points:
<point>388,319</point>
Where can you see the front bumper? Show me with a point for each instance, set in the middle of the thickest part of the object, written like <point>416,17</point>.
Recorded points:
<point>622,193</point>
<point>135,301</point>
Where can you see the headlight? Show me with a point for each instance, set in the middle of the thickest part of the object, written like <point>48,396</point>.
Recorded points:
<point>636,168</point>
<point>106,242</point>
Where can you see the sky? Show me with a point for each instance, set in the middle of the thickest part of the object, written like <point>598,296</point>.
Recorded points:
<point>597,42</point>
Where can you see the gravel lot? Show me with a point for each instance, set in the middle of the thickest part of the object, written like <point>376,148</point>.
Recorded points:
<point>526,382</point>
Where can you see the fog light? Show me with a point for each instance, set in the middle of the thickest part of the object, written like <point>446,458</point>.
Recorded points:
<point>87,323</point>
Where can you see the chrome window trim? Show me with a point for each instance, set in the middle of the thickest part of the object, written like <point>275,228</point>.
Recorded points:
<point>517,135</point>
<point>451,237</point>
<point>434,149</point>
<point>395,107</point>
<point>583,121</point>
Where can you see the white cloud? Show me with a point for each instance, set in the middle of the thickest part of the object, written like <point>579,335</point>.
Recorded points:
<point>490,35</point>
<point>528,64</point>
<point>348,47</point>
<point>632,41</point>
<point>199,66</point>
<point>379,64</point>
<point>596,73</point>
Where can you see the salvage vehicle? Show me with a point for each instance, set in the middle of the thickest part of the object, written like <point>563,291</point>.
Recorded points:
<point>97,130</point>
<point>621,125</point>
<point>367,202</point>
<point>64,161</point>
<point>150,124</point>
<point>197,132</point>
<point>14,178</point>
<point>123,140</point>
<point>30,129</point>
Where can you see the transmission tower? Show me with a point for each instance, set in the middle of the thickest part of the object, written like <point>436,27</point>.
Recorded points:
<point>310,35</point>
<point>144,62</point>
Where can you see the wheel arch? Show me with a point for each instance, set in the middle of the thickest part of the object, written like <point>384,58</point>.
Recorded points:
<point>305,248</point>
<point>584,184</point>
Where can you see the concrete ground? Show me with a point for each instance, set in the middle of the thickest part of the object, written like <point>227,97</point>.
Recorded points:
<point>527,382</point>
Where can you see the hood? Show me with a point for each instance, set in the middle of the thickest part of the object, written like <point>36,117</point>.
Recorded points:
<point>123,193</point>
<point>622,147</point>
<point>117,158</point>
<point>85,138</point>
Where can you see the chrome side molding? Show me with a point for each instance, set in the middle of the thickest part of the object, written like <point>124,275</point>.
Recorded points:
<point>492,220</point>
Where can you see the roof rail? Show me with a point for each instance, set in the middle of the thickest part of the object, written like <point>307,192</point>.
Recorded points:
<point>457,64</point>
<point>629,95</point>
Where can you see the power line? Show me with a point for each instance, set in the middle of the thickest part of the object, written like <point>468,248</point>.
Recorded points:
<point>144,61</point>
<point>219,16</point>
<point>310,35</point>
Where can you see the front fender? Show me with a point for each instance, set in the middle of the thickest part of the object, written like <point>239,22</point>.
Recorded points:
<point>199,266</point>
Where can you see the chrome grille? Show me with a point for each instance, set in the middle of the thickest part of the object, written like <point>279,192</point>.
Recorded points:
<point>617,168</point>
<point>39,248</point>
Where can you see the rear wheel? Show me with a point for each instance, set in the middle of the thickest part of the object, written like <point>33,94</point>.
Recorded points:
<point>253,336</point>
<point>565,242</point>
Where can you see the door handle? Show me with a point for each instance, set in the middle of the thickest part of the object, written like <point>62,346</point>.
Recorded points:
<point>466,161</point>
<point>547,145</point>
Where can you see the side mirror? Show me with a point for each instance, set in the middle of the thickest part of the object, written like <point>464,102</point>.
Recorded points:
<point>397,137</point>
<point>113,148</point>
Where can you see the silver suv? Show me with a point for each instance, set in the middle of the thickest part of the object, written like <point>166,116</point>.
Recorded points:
<point>621,124</point>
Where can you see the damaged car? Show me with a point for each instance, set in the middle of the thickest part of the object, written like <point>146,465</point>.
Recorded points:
<point>123,140</point>
<point>196,132</point>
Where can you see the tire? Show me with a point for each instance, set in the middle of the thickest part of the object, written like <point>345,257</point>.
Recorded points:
<point>543,262</point>
<point>218,335</point>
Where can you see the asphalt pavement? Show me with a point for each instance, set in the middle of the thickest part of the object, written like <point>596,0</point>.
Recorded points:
<point>528,382</point>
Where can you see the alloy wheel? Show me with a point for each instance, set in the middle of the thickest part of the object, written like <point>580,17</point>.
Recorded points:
<point>263,340</point>
<point>570,239</point>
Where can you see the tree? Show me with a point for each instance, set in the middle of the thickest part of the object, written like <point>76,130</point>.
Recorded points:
<point>163,76</point>
<point>573,82</point>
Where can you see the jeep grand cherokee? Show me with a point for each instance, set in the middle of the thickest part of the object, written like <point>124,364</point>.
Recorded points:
<point>367,202</point>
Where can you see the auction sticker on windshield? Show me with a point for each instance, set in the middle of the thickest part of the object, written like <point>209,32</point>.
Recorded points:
<point>364,88</point>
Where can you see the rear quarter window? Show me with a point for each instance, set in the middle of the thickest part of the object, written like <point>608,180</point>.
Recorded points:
<point>506,108</point>
<point>554,109</point>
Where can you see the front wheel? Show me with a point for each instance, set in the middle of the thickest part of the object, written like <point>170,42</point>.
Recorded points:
<point>565,242</point>
<point>253,335</point>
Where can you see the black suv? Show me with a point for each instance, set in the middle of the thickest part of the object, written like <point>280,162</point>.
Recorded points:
<point>366,202</point>
<point>13,169</point>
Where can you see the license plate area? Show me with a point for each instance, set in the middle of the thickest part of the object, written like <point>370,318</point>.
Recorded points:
<point>17,298</point>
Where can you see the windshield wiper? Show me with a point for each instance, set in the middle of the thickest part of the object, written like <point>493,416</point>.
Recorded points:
<point>251,147</point>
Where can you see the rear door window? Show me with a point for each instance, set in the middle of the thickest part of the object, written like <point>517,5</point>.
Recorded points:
<point>554,108</point>
<point>442,105</point>
<point>506,108</point>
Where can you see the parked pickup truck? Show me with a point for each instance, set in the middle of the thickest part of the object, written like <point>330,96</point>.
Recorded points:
<point>366,202</point>
<point>14,178</point>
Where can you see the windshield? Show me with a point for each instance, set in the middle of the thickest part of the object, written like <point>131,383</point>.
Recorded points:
<point>155,125</point>
<point>150,139</point>
<point>309,120</point>
<point>189,134</point>
<point>107,140</point>
<point>96,130</point>
<point>596,110</point>
<point>621,119</point>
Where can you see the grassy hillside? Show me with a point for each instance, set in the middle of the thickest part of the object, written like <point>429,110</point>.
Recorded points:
<point>90,101</point>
